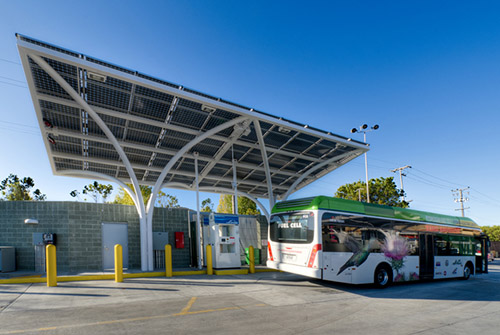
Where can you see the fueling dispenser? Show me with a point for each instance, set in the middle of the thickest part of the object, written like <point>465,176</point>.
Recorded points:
<point>222,233</point>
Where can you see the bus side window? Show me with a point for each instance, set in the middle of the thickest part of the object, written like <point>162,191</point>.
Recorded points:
<point>333,238</point>
<point>412,243</point>
<point>442,246</point>
<point>373,237</point>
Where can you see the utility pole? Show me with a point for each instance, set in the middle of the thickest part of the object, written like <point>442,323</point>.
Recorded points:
<point>459,193</point>
<point>359,193</point>
<point>401,174</point>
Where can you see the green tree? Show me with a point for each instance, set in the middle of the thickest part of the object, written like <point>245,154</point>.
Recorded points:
<point>245,205</point>
<point>13,188</point>
<point>383,191</point>
<point>167,201</point>
<point>95,190</point>
<point>162,200</point>
<point>123,198</point>
<point>207,205</point>
<point>493,232</point>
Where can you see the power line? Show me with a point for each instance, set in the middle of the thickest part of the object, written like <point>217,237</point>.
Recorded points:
<point>446,181</point>
<point>18,124</point>
<point>484,200</point>
<point>19,81</point>
<point>4,82</point>
<point>17,131</point>
<point>485,195</point>
<point>428,180</point>
<point>9,61</point>
<point>18,127</point>
<point>425,181</point>
<point>422,172</point>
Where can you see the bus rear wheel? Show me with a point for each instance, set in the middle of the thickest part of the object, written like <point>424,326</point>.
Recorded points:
<point>383,276</point>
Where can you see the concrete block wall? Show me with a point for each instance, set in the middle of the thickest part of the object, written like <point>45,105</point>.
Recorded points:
<point>79,234</point>
<point>52,218</point>
<point>85,234</point>
<point>173,220</point>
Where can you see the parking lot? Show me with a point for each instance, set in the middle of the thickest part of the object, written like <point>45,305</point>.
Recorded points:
<point>270,302</point>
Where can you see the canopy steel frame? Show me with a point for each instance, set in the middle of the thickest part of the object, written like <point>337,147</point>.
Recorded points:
<point>291,155</point>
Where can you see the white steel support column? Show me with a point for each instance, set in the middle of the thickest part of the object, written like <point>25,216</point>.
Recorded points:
<point>182,151</point>
<point>199,245</point>
<point>159,182</point>
<point>263,152</point>
<point>235,188</point>
<point>102,125</point>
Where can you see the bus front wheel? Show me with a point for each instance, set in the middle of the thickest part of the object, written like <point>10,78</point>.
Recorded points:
<point>467,271</point>
<point>383,276</point>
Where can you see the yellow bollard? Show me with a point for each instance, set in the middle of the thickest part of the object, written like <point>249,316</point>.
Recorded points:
<point>210,269</point>
<point>118,263</point>
<point>51,263</point>
<point>168,260</point>
<point>251,258</point>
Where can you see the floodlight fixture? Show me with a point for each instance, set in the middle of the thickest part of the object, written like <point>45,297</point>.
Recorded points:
<point>47,123</point>
<point>51,139</point>
<point>364,129</point>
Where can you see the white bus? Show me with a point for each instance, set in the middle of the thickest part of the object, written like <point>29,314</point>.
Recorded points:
<point>353,242</point>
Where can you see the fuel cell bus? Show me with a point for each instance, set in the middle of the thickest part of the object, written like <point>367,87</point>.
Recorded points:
<point>360,243</point>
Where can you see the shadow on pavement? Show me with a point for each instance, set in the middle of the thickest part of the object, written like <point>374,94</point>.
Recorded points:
<point>54,293</point>
<point>120,288</point>
<point>474,289</point>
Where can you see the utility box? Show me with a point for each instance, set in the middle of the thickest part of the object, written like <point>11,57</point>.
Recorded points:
<point>256,253</point>
<point>222,233</point>
<point>160,239</point>
<point>7,259</point>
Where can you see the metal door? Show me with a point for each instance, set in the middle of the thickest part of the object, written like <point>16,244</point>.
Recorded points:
<point>482,250</point>
<point>112,234</point>
<point>193,248</point>
<point>426,246</point>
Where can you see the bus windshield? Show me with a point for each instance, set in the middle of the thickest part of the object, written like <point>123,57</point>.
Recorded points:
<point>295,227</point>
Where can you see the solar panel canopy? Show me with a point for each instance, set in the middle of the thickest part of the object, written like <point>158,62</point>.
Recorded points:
<point>153,120</point>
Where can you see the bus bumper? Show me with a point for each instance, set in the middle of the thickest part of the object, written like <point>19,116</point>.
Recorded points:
<point>300,270</point>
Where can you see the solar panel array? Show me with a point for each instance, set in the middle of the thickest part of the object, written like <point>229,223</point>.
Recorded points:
<point>153,119</point>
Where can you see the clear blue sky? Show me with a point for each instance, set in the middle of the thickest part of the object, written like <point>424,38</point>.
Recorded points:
<point>428,72</point>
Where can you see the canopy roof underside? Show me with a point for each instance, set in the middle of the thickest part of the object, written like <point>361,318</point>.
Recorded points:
<point>153,119</point>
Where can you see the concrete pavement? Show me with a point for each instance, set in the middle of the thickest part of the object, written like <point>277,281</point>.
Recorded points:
<point>279,303</point>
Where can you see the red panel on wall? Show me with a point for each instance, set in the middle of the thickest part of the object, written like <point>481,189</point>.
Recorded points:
<point>179,240</point>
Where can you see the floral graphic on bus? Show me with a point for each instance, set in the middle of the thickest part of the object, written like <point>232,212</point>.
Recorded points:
<point>395,249</point>
<point>413,276</point>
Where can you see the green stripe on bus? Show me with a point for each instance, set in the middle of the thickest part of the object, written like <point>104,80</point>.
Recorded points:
<point>343,205</point>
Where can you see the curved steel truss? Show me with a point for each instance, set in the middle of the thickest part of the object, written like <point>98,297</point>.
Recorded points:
<point>99,120</point>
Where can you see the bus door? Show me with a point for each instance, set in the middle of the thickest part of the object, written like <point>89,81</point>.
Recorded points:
<point>482,250</point>
<point>426,246</point>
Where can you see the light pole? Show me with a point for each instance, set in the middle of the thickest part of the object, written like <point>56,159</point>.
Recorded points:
<point>364,129</point>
